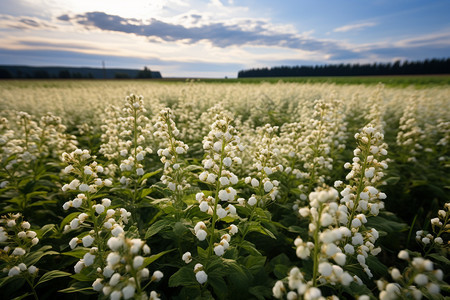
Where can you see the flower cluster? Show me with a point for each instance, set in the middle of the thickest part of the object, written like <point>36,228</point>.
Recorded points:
<point>440,229</point>
<point>81,164</point>
<point>18,238</point>
<point>410,135</point>
<point>125,270</point>
<point>419,278</point>
<point>265,153</point>
<point>166,130</point>
<point>126,137</point>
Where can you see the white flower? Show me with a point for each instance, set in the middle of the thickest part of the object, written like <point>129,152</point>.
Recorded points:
<point>77,202</point>
<point>227,161</point>
<point>114,243</point>
<point>97,285</point>
<point>254,182</point>
<point>223,195</point>
<point>326,219</point>
<point>78,266</point>
<point>224,181</point>
<point>32,270</point>
<point>18,251</point>
<point>106,202</point>
<point>201,234</point>
<point>128,292</point>
<point>278,289</point>
<point>187,257</point>
<point>325,269</point>
<point>339,258</point>
<point>268,186</point>
<point>25,225</point>
<point>204,206</point>
<point>403,255</point>
<point>117,230</point>
<point>14,271</point>
<point>99,209</point>
<point>251,201</point>
<point>157,276</point>
<point>233,229</point>
<point>136,245</point>
<point>221,213</point>
<point>140,156</point>
<point>108,271</point>
<point>219,250</point>
<point>112,258</point>
<point>87,241</point>
<point>83,187</point>
<point>22,267</point>
<point>88,259</point>
<point>201,277</point>
<point>140,171</point>
<point>137,262</point>
<point>73,242</point>
<point>421,279</point>
<point>114,279</point>
<point>211,178</point>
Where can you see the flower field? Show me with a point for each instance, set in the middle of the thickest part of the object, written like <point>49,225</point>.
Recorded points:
<point>223,191</point>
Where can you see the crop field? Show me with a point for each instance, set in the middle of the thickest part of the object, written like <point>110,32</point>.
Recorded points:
<point>224,190</point>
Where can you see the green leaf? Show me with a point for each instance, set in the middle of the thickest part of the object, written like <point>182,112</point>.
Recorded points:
<point>22,296</point>
<point>42,202</point>
<point>4,280</point>
<point>261,292</point>
<point>184,277</point>
<point>152,258</point>
<point>52,275</point>
<point>255,262</point>
<point>35,256</point>
<point>78,287</point>
<point>78,252</point>
<point>146,192</point>
<point>148,175</point>
<point>157,227</point>
<point>440,258</point>
<point>219,286</point>
<point>68,218</point>
<point>250,247</point>
<point>376,266</point>
<point>45,229</point>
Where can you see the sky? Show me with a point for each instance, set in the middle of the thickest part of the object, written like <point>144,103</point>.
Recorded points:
<point>217,38</point>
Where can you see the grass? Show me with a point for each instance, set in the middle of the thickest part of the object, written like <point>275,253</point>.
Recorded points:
<point>418,81</point>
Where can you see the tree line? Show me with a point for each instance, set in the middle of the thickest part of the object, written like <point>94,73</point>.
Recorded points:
<point>27,72</point>
<point>428,66</point>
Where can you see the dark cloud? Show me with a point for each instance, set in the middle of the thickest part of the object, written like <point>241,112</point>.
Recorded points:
<point>220,34</point>
<point>64,18</point>
<point>29,22</point>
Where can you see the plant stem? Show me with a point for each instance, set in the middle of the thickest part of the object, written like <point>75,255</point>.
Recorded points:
<point>316,248</point>
<point>216,200</point>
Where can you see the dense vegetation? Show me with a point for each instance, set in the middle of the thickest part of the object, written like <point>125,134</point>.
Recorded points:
<point>428,66</point>
<point>207,190</point>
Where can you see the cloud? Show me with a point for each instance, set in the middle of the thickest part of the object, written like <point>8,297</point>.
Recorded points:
<point>239,32</point>
<point>354,27</point>
<point>22,23</point>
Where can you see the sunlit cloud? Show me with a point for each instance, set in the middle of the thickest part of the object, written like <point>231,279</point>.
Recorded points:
<point>352,27</point>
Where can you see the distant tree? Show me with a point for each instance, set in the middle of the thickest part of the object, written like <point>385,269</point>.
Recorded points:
<point>41,74</point>
<point>77,75</point>
<point>121,76</point>
<point>4,74</point>
<point>146,73</point>
<point>428,66</point>
<point>64,74</point>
